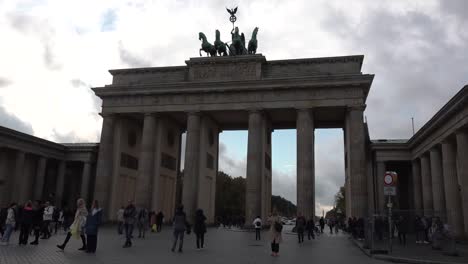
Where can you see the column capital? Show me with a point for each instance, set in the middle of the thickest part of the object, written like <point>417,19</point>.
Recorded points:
<point>198,113</point>
<point>107,115</point>
<point>145,114</point>
<point>356,108</point>
<point>305,110</point>
<point>255,110</point>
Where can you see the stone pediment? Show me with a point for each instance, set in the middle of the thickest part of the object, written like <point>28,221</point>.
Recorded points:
<point>239,68</point>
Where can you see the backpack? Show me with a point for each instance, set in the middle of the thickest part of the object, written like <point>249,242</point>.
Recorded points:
<point>278,227</point>
<point>258,224</point>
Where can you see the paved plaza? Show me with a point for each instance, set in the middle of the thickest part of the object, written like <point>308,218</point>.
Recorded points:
<point>222,246</point>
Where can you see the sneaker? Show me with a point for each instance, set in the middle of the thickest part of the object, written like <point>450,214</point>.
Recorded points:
<point>82,248</point>
<point>426,242</point>
<point>62,247</point>
<point>180,250</point>
<point>34,243</point>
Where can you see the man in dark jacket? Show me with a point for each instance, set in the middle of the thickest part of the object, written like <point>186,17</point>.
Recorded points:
<point>93,221</point>
<point>300,226</point>
<point>180,225</point>
<point>26,222</point>
<point>130,213</point>
<point>402,227</point>
<point>199,228</point>
<point>37,221</point>
<point>159,221</point>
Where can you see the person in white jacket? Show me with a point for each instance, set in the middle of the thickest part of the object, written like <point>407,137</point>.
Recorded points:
<point>10,223</point>
<point>46,220</point>
<point>257,223</point>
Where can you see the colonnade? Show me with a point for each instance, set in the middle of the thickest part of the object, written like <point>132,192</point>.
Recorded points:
<point>202,143</point>
<point>24,177</point>
<point>440,178</point>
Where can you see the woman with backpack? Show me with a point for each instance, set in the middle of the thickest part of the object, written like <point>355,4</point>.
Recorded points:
<point>10,223</point>
<point>142,222</point>
<point>276,227</point>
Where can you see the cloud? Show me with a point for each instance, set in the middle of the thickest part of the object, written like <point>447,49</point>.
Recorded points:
<point>4,82</point>
<point>69,137</point>
<point>130,59</point>
<point>11,121</point>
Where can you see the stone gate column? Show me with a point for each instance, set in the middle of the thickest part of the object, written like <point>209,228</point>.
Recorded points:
<point>357,161</point>
<point>452,194</point>
<point>60,183</point>
<point>191,168</point>
<point>104,164</point>
<point>18,179</point>
<point>462,169</point>
<point>253,202</point>
<point>428,205</point>
<point>417,185</point>
<point>143,195</point>
<point>40,177</point>
<point>85,179</point>
<point>305,163</point>
<point>380,186</point>
<point>438,192</point>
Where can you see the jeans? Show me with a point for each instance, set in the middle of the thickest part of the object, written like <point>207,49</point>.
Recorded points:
<point>200,240</point>
<point>6,235</point>
<point>300,235</point>
<point>128,233</point>
<point>178,234</point>
<point>257,233</point>
<point>402,237</point>
<point>24,233</point>
<point>274,247</point>
<point>310,233</point>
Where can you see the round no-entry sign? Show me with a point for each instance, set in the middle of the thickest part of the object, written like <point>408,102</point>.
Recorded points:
<point>390,178</point>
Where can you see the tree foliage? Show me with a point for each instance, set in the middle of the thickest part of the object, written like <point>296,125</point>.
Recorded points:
<point>230,198</point>
<point>340,200</point>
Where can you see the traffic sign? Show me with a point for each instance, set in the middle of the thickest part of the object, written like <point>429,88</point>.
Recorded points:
<point>390,178</point>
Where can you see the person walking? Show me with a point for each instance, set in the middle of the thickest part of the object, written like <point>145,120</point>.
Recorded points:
<point>257,223</point>
<point>419,229</point>
<point>26,222</point>
<point>402,227</point>
<point>199,228</point>
<point>310,226</point>
<point>159,221</point>
<point>322,224</point>
<point>120,220</point>
<point>276,227</point>
<point>143,222</point>
<point>46,220</point>
<point>180,226</point>
<point>129,215</point>
<point>10,223</point>
<point>76,228</point>
<point>92,225</point>
<point>36,221</point>
<point>300,226</point>
<point>331,224</point>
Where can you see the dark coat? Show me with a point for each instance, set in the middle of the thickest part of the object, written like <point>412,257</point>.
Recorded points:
<point>93,222</point>
<point>199,227</point>
<point>27,215</point>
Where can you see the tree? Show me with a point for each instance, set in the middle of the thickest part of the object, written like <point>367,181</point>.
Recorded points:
<point>340,200</point>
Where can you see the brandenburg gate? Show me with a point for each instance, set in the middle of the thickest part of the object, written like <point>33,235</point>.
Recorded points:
<point>146,110</point>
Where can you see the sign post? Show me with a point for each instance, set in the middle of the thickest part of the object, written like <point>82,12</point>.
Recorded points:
<point>390,182</point>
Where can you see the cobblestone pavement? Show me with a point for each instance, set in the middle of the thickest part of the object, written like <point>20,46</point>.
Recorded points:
<point>222,246</point>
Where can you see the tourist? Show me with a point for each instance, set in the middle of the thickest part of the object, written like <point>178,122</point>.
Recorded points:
<point>180,226</point>
<point>46,220</point>
<point>143,222</point>
<point>331,224</point>
<point>310,226</point>
<point>55,219</point>
<point>199,228</point>
<point>159,221</point>
<point>322,224</point>
<point>402,227</point>
<point>152,220</point>
<point>427,223</point>
<point>276,227</point>
<point>37,221</point>
<point>120,220</point>
<point>10,223</point>
<point>26,222</point>
<point>76,228</point>
<point>129,216</point>
<point>3,217</point>
<point>257,223</point>
<point>419,229</point>
<point>300,226</point>
<point>92,225</point>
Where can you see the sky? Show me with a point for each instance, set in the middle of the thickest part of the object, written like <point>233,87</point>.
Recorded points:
<point>53,51</point>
